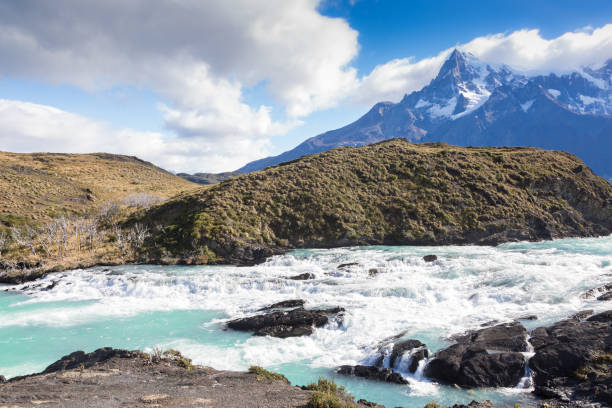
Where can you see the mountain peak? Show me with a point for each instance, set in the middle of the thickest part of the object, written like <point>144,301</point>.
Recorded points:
<point>459,66</point>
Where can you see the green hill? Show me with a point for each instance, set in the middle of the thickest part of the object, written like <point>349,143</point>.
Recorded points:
<point>37,187</point>
<point>393,193</point>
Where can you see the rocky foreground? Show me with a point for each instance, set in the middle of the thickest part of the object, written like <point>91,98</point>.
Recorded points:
<point>121,378</point>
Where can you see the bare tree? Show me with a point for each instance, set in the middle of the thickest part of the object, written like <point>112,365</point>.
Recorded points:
<point>63,233</point>
<point>25,237</point>
<point>141,200</point>
<point>121,240</point>
<point>90,228</point>
<point>138,234</point>
<point>48,236</point>
<point>4,241</point>
<point>109,212</point>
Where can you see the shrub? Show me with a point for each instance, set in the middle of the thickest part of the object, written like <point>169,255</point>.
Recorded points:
<point>177,357</point>
<point>327,394</point>
<point>141,200</point>
<point>262,374</point>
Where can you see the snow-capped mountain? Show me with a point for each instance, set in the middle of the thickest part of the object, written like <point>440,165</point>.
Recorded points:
<point>473,103</point>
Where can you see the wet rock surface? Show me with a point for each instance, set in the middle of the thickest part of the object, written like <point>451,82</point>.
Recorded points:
<point>573,360</point>
<point>490,357</point>
<point>302,276</point>
<point>603,292</point>
<point>284,304</point>
<point>430,258</point>
<point>121,378</point>
<point>373,373</point>
<point>283,324</point>
<point>406,346</point>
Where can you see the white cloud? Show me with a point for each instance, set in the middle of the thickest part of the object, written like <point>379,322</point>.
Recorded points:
<point>29,127</point>
<point>523,50</point>
<point>199,55</point>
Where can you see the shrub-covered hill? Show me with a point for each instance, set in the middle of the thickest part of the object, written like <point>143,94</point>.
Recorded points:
<point>39,186</point>
<point>394,193</point>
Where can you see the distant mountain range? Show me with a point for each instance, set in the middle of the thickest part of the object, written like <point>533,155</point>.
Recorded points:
<point>208,178</point>
<point>471,103</point>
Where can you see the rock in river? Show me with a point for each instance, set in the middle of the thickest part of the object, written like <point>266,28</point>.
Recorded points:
<point>415,347</point>
<point>373,373</point>
<point>303,276</point>
<point>490,357</point>
<point>285,304</point>
<point>292,323</point>
<point>573,359</point>
<point>430,258</point>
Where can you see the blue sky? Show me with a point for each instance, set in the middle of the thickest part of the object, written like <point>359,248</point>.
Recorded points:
<point>208,87</point>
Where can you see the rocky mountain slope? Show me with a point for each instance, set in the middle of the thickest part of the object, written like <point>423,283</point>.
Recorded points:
<point>471,103</point>
<point>393,192</point>
<point>39,186</point>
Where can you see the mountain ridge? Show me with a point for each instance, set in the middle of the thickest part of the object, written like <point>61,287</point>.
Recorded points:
<point>450,109</point>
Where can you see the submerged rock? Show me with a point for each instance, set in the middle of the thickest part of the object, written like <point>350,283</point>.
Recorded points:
<point>583,314</point>
<point>284,304</point>
<point>430,258</point>
<point>373,373</point>
<point>573,359</point>
<point>347,265</point>
<point>373,271</point>
<point>292,323</point>
<point>597,292</point>
<point>490,357</point>
<point>605,296</point>
<point>303,276</point>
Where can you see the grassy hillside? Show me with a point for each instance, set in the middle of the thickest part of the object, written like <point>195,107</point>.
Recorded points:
<point>393,192</point>
<point>40,186</point>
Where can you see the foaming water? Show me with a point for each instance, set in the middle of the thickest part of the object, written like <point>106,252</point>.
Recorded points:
<point>390,290</point>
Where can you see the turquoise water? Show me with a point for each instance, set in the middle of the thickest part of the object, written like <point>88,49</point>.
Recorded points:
<point>142,307</point>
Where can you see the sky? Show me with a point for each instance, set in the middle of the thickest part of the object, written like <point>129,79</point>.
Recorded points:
<point>207,86</point>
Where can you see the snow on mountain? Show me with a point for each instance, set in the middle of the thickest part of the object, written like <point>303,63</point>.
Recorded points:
<point>471,102</point>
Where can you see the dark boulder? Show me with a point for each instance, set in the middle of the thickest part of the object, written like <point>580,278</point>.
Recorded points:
<point>348,265</point>
<point>430,258</point>
<point>369,404</point>
<point>292,323</point>
<point>372,373</point>
<point>416,358</point>
<point>475,404</point>
<point>303,276</point>
<point>80,359</point>
<point>573,359</point>
<point>373,271</point>
<point>527,317</point>
<point>605,296</point>
<point>406,346</point>
<point>598,291</point>
<point>2,379</point>
<point>583,314</point>
<point>490,357</point>
<point>284,304</point>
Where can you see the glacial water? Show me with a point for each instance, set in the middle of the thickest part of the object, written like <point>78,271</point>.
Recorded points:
<point>142,307</point>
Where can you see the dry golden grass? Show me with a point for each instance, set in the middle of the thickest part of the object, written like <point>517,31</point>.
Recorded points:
<point>39,186</point>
